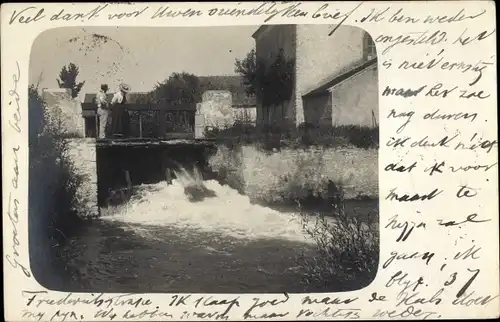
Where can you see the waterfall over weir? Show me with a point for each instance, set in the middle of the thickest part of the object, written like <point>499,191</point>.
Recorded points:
<point>190,203</point>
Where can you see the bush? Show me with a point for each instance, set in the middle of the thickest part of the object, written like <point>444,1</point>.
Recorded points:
<point>54,180</point>
<point>347,252</point>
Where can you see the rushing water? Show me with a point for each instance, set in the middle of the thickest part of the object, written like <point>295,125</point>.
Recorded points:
<point>227,213</point>
<point>190,236</point>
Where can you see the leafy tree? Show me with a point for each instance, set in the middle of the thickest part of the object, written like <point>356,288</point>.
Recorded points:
<point>67,79</point>
<point>272,84</point>
<point>279,82</point>
<point>179,89</point>
<point>252,71</point>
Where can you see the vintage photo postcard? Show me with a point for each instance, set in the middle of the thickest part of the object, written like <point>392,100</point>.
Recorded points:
<point>250,161</point>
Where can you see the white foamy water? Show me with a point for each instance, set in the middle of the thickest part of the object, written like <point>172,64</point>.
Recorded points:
<point>228,212</point>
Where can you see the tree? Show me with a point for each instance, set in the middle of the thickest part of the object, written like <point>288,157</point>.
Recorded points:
<point>272,84</point>
<point>279,82</point>
<point>179,89</point>
<point>67,79</point>
<point>252,71</point>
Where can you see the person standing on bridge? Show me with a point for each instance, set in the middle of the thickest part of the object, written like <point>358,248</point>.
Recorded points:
<point>119,112</point>
<point>102,110</point>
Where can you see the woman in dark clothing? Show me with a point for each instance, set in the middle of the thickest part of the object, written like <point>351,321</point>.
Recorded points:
<point>119,112</point>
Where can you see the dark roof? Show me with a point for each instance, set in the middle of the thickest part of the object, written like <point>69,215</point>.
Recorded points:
<point>342,77</point>
<point>234,84</point>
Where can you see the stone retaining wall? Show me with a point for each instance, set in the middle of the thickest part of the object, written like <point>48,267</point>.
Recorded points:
<point>83,154</point>
<point>296,172</point>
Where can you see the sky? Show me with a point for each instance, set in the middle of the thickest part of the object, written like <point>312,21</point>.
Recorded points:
<point>138,56</point>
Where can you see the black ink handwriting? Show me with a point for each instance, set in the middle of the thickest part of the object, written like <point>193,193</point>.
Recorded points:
<point>376,298</point>
<point>400,168</point>
<point>130,14</point>
<point>470,219</point>
<point>469,282</point>
<point>466,40</point>
<point>472,167</point>
<point>405,226</point>
<point>466,192</point>
<point>415,197</point>
<point>258,303</point>
<point>66,16</point>
<point>471,252</point>
<point>427,256</point>
<point>434,168</point>
<point>482,144</point>
<point>407,115</point>
<point>412,39</point>
<point>26,15</point>
<point>13,93</point>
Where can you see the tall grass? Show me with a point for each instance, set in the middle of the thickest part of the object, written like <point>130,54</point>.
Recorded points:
<point>347,251</point>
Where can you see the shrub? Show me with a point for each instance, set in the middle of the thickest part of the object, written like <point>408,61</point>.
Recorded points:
<point>276,136</point>
<point>347,252</point>
<point>54,179</point>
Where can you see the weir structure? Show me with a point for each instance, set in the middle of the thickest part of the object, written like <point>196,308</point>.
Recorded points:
<point>112,166</point>
<point>123,163</point>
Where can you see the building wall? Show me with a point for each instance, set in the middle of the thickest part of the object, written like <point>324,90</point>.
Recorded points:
<point>318,109</point>
<point>268,45</point>
<point>355,101</point>
<point>320,57</point>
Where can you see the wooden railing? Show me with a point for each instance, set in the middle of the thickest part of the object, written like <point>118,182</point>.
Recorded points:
<point>161,121</point>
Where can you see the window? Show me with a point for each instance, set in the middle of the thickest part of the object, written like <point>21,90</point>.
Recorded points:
<point>369,50</point>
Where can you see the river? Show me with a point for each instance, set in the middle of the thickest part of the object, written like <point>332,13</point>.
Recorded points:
<point>163,241</point>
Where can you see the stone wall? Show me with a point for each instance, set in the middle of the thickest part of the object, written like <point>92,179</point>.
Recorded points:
<point>216,110</point>
<point>83,154</point>
<point>296,172</point>
<point>65,110</point>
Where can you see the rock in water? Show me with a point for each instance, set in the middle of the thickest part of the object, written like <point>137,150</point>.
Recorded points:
<point>196,193</point>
